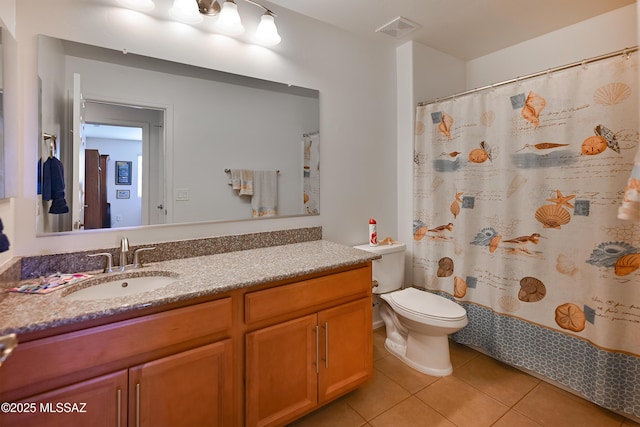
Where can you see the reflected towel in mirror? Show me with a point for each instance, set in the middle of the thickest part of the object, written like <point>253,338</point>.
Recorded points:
<point>265,193</point>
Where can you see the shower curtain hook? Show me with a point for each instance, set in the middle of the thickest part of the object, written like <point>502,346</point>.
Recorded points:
<point>625,53</point>
<point>584,64</point>
<point>518,81</point>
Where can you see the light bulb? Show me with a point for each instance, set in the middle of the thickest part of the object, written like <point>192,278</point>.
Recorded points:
<point>185,11</point>
<point>267,33</point>
<point>141,5</point>
<point>229,19</point>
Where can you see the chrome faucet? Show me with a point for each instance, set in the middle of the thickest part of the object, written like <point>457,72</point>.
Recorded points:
<point>124,250</point>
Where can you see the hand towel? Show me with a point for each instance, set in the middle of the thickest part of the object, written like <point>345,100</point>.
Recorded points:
<point>53,185</point>
<point>4,240</point>
<point>265,194</point>
<point>246,182</point>
<point>241,180</point>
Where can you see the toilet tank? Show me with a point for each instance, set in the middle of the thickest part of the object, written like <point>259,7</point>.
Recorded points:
<point>388,271</point>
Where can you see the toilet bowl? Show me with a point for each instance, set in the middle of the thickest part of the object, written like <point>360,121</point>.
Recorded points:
<point>418,323</point>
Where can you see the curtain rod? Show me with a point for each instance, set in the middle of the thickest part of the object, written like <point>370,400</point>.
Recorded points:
<point>624,52</point>
<point>229,171</point>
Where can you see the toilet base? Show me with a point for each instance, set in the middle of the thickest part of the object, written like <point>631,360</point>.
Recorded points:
<point>429,355</point>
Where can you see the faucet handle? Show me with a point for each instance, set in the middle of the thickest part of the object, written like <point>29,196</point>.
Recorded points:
<point>109,267</point>
<point>136,256</point>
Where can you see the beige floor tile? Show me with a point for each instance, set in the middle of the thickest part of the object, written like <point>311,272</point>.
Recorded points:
<point>550,406</point>
<point>410,379</point>
<point>500,381</point>
<point>411,412</point>
<point>461,403</point>
<point>379,335</point>
<point>461,354</point>
<point>376,396</point>
<point>334,414</point>
<point>515,419</point>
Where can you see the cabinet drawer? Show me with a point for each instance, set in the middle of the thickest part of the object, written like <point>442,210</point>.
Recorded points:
<point>309,294</point>
<point>46,361</point>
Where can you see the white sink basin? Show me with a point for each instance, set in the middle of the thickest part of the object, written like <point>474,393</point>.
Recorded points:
<point>120,286</point>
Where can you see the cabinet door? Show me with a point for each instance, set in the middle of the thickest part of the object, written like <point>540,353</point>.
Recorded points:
<point>281,371</point>
<point>99,402</point>
<point>346,348</point>
<point>192,388</point>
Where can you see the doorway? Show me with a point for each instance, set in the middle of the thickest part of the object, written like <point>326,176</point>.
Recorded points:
<point>130,140</point>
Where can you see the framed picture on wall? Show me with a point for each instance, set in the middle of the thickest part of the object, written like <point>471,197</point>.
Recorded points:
<point>123,172</point>
<point>123,194</point>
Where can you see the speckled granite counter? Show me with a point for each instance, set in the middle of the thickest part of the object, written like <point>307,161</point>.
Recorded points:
<point>197,277</point>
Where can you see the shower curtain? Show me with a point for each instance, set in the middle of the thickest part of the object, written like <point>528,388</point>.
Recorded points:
<point>311,173</point>
<point>516,194</point>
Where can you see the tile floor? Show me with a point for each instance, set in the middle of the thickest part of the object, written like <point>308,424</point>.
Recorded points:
<point>480,392</point>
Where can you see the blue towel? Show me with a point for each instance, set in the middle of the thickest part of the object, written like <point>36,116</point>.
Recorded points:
<point>53,185</point>
<point>4,240</point>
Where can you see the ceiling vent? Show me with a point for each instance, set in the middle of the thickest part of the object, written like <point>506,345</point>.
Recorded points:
<point>398,28</point>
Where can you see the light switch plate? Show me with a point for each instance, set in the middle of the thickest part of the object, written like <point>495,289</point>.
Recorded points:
<point>182,194</point>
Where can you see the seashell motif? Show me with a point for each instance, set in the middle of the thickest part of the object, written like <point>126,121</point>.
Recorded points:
<point>459,287</point>
<point>478,155</point>
<point>445,267</point>
<point>627,264</point>
<point>566,265</point>
<point>484,237</point>
<point>509,303</point>
<point>552,216</point>
<point>608,136</point>
<point>607,254</point>
<point>517,182</point>
<point>570,316</point>
<point>532,108</point>
<point>445,125</point>
<point>487,118</point>
<point>593,145</point>
<point>612,93</point>
<point>455,209</point>
<point>420,128</point>
<point>419,230</point>
<point>531,289</point>
<point>493,244</point>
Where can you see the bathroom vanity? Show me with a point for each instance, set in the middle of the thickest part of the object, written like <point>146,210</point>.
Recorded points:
<point>257,338</point>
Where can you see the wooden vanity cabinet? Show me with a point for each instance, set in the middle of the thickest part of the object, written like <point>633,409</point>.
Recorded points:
<point>257,356</point>
<point>150,381</point>
<point>297,365</point>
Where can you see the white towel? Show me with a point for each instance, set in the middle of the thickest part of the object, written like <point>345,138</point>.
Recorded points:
<point>265,194</point>
<point>241,180</point>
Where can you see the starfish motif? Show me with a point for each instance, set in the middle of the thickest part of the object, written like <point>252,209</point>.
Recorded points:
<point>561,200</point>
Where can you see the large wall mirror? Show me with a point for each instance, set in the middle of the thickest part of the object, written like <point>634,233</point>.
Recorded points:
<point>140,141</point>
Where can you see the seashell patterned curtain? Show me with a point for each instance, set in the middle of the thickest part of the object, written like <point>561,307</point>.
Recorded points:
<point>518,188</point>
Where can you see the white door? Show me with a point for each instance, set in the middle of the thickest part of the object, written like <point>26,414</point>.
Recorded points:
<point>79,145</point>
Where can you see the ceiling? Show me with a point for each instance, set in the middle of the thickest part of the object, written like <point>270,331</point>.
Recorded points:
<point>466,29</point>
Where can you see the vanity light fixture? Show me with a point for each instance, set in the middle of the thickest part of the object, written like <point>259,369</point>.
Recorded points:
<point>186,11</point>
<point>229,19</point>
<point>267,33</point>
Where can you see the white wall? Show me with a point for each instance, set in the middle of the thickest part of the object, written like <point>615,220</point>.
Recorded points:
<point>602,34</point>
<point>357,112</point>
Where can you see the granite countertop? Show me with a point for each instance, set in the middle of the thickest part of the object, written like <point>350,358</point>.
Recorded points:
<point>196,277</point>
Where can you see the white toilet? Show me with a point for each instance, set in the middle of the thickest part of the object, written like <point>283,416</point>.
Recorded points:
<point>417,322</point>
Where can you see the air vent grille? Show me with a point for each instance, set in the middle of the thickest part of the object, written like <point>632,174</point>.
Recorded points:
<point>398,28</point>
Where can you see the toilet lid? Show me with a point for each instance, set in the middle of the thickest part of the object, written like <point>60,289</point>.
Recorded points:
<point>426,304</point>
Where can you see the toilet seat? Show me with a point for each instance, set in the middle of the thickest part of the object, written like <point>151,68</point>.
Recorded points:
<point>421,306</point>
